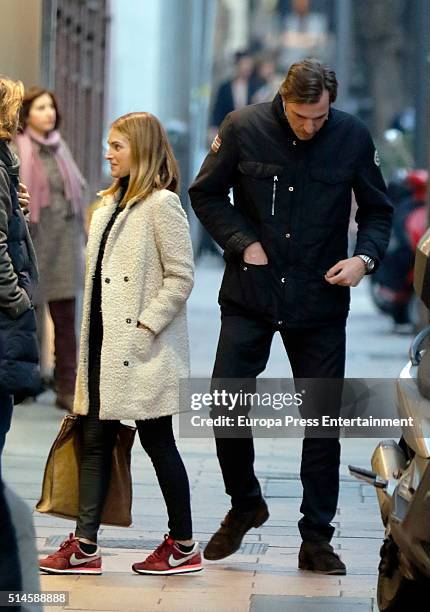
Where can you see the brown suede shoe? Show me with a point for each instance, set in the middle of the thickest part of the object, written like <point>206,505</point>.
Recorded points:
<point>228,538</point>
<point>319,557</point>
<point>65,402</point>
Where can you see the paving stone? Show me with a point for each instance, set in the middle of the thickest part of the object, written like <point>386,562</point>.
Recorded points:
<point>267,603</point>
<point>296,585</point>
<point>225,602</point>
<point>286,488</point>
<point>88,597</point>
<point>206,582</point>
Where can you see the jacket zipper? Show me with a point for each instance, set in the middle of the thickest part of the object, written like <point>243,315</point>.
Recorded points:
<point>275,181</point>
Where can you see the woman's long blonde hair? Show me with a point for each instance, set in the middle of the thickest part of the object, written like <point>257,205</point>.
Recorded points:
<point>11,96</point>
<point>153,164</point>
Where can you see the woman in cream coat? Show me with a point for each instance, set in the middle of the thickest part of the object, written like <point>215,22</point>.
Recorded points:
<point>134,341</point>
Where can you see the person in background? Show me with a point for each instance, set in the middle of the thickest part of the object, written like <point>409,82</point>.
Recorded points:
<point>22,521</point>
<point>268,78</point>
<point>306,34</point>
<point>10,569</point>
<point>236,92</point>
<point>18,345</point>
<point>19,356</point>
<point>57,216</point>
<point>231,94</point>
<point>134,342</point>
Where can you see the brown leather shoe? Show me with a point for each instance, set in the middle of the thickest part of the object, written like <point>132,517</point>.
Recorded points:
<point>228,538</point>
<point>319,557</point>
<point>65,401</point>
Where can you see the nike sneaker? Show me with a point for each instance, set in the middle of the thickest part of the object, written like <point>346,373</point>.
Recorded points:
<point>168,559</point>
<point>70,559</point>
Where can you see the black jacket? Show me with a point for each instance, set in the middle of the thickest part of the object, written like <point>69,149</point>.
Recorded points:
<point>294,197</point>
<point>19,354</point>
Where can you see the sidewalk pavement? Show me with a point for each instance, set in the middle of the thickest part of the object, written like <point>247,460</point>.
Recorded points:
<point>263,575</point>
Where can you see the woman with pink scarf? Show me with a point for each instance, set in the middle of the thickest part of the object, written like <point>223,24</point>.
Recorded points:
<point>57,226</point>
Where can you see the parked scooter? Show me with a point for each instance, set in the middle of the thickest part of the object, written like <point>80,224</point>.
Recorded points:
<point>401,474</point>
<point>392,284</point>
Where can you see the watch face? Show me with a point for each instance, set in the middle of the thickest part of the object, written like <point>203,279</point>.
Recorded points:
<point>368,262</point>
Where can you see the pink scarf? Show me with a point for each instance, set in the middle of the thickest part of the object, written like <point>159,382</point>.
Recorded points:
<point>33,175</point>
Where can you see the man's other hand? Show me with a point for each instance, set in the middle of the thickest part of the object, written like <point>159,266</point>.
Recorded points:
<point>347,273</point>
<point>255,254</point>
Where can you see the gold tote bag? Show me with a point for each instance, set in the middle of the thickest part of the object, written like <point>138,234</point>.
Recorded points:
<point>60,488</point>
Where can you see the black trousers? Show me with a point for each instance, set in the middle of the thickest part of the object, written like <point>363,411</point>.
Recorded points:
<point>243,352</point>
<point>157,439</point>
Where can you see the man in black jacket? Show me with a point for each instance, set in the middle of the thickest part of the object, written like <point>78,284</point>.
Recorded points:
<point>292,164</point>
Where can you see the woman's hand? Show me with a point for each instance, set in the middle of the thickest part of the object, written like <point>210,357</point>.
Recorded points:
<point>24,198</point>
<point>143,339</point>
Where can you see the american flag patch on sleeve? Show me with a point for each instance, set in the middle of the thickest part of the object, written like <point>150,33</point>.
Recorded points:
<point>216,144</point>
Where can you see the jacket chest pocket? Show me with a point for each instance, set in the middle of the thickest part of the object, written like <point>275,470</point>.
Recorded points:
<point>331,179</point>
<point>330,189</point>
<point>261,183</point>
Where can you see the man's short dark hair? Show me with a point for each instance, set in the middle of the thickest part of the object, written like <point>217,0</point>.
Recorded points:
<point>306,81</point>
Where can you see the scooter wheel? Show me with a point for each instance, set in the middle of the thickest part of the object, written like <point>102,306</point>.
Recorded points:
<point>397,594</point>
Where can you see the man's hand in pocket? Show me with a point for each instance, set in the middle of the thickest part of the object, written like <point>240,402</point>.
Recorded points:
<point>255,254</point>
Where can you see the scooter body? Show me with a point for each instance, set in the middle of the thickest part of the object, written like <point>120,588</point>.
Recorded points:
<point>401,474</point>
<point>405,501</point>
<point>391,286</point>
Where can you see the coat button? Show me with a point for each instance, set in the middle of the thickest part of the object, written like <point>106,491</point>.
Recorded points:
<point>280,322</point>
<point>126,363</point>
<point>107,280</point>
<point>282,280</point>
<point>290,188</point>
<point>126,279</point>
<point>128,321</point>
<point>287,235</point>
<point>245,268</point>
<point>294,142</point>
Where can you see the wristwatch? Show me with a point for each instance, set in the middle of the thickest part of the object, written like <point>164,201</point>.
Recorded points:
<point>368,262</point>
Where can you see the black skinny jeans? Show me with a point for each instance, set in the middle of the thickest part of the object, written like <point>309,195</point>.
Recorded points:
<point>157,439</point>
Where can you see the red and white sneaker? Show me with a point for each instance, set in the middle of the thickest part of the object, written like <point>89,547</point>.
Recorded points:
<point>168,559</point>
<point>70,559</point>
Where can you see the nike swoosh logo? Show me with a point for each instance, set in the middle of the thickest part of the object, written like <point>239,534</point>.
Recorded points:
<point>175,562</point>
<point>75,561</point>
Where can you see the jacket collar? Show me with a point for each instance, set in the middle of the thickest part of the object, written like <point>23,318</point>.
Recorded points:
<point>278,111</point>
<point>9,159</point>
<point>113,199</point>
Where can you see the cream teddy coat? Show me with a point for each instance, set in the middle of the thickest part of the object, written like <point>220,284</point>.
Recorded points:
<point>147,276</point>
